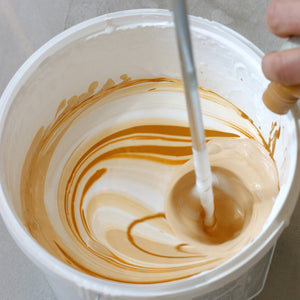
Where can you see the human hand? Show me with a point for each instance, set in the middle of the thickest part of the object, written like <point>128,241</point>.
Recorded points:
<point>283,19</point>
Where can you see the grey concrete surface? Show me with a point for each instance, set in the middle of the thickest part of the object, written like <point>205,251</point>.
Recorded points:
<point>26,24</point>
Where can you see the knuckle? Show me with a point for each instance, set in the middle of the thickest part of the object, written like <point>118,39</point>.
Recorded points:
<point>281,68</point>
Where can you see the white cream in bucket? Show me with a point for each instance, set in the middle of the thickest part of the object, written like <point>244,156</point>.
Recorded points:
<point>142,44</point>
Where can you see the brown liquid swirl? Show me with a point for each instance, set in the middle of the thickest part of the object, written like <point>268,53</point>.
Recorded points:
<point>95,197</point>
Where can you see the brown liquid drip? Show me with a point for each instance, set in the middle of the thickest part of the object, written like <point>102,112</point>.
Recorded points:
<point>137,249</point>
<point>274,135</point>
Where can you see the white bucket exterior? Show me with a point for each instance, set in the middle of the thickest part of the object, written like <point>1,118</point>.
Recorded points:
<point>142,44</point>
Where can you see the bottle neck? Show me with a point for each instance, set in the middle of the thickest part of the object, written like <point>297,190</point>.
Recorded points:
<point>279,98</point>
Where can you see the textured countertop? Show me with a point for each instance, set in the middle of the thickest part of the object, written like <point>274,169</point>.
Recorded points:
<point>27,24</point>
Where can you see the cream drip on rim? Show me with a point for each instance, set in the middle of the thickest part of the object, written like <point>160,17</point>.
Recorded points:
<point>96,179</point>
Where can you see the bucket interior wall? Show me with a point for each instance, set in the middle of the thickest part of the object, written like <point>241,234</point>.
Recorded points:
<point>142,47</point>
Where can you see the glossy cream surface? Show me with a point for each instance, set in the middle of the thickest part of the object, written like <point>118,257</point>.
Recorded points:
<point>104,184</point>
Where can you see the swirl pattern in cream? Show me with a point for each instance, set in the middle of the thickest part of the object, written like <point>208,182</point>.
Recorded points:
<point>100,179</point>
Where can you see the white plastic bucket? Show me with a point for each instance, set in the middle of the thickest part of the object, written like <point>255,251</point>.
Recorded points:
<point>142,44</point>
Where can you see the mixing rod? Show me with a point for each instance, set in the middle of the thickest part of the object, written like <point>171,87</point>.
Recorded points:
<point>203,188</point>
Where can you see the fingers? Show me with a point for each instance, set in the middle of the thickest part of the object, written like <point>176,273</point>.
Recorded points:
<point>283,67</point>
<point>283,18</point>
